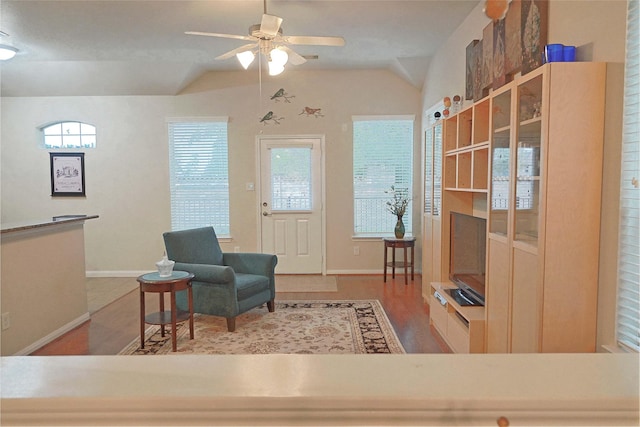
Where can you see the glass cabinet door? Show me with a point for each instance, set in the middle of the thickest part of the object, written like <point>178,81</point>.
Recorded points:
<point>527,197</point>
<point>500,164</point>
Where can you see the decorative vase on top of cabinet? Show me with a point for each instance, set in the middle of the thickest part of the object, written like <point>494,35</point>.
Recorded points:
<point>544,209</point>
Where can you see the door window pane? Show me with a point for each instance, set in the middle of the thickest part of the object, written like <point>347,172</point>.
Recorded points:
<point>290,179</point>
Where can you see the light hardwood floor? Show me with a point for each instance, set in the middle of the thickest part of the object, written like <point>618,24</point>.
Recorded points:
<point>117,324</point>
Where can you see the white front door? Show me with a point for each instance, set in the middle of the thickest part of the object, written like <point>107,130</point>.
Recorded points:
<point>291,202</point>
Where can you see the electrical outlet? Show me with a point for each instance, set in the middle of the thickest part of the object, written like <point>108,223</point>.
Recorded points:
<point>356,250</point>
<point>6,320</point>
<point>236,249</point>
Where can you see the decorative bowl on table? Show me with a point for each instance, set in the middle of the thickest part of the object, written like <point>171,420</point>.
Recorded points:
<point>165,267</point>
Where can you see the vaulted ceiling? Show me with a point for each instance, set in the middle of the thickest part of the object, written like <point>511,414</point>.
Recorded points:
<point>135,47</point>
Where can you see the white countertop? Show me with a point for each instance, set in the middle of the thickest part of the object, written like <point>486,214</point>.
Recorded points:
<point>39,223</point>
<point>312,390</point>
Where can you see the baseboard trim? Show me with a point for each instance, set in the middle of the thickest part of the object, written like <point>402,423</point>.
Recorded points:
<point>367,272</point>
<point>53,335</point>
<point>116,273</point>
<point>378,272</point>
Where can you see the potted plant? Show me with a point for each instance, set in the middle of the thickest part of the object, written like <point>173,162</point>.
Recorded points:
<point>397,206</point>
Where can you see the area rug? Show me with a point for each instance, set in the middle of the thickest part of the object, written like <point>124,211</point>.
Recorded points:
<point>306,283</point>
<point>295,327</point>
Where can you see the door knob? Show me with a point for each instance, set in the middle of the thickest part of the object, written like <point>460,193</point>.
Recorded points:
<point>266,214</point>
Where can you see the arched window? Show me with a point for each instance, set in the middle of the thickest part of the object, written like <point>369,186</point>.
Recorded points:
<point>69,135</point>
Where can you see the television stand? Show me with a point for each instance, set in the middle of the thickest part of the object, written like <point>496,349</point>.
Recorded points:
<point>460,326</point>
<point>462,297</point>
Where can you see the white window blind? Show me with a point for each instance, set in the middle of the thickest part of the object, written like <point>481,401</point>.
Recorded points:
<point>199,175</point>
<point>382,157</point>
<point>628,322</point>
<point>428,170</point>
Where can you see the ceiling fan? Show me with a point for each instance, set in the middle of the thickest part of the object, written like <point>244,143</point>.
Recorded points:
<point>267,39</point>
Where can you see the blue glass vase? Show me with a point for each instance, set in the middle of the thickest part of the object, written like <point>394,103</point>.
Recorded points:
<point>399,230</point>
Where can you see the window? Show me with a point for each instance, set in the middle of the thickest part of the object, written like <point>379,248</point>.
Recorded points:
<point>291,178</point>
<point>382,157</point>
<point>69,135</point>
<point>199,174</point>
<point>628,321</point>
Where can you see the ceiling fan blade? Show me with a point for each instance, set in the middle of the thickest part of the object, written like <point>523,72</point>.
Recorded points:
<point>294,58</point>
<point>315,40</point>
<point>237,50</point>
<point>226,36</point>
<point>270,25</point>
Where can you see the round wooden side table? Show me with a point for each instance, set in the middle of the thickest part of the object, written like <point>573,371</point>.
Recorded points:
<point>152,282</point>
<point>407,242</point>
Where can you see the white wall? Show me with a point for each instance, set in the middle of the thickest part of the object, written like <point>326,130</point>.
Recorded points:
<point>597,28</point>
<point>127,179</point>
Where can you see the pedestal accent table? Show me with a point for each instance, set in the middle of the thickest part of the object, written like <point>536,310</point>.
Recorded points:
<point>407,242</point>
<point>153,282</point>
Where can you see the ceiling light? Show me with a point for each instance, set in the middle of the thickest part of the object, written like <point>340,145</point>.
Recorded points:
<point>7,52</point>
<point>245,58</point>
<point>279,56</point>
<point>275,69</point>
<point>277,60</point>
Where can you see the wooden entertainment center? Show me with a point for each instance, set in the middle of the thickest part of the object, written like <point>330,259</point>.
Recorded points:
<point>462,328</point>
<point>528,159</point>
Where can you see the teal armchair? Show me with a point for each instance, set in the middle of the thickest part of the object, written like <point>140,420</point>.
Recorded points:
<point>225,284</point>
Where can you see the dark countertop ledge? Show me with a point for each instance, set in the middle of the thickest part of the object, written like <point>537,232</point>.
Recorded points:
<point>56,220</point>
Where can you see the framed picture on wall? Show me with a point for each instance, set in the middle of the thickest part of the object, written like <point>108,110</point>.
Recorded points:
<point>67,174</point>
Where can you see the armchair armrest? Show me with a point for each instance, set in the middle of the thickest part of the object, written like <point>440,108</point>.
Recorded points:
<point>208,272</point>
<point>251,263</point>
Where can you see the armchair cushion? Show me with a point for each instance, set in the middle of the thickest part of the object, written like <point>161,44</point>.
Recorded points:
<point>195,246</point>
<point>250,284</point>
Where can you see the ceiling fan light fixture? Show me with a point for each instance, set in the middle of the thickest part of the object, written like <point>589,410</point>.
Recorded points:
<point>245,58</point>
<point>279,57</point>
<point>7,52</point>
<point>268,41</point>
<point>275,69</point>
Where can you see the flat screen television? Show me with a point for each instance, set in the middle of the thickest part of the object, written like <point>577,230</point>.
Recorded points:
<point>467,255</point>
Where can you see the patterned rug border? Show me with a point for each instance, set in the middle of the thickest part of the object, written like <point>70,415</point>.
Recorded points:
<point>369,338</point>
